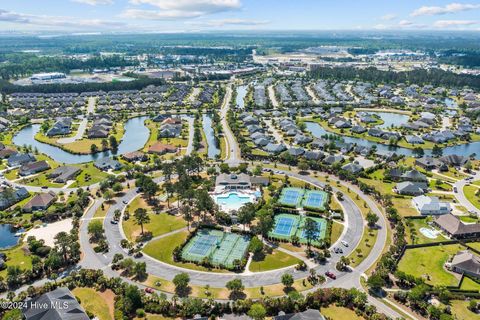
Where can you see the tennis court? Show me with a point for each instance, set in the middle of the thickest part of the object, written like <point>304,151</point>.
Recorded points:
<point>315,199</point>
<point>221,248</point>
<point>288,225</point>
<point>291,197</point>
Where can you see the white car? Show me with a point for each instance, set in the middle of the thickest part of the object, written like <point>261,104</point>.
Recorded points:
<point>345,243</point>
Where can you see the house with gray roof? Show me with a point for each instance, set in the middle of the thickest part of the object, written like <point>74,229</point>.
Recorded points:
<point>275,148</point>
<point>63,174</point>
<point>105,164</point>
<point>456,228</point>
<point>232,181</point>
<point>59,304</point>
<point>411,188</point>
<point>353,167</point>
<point>466,263</point>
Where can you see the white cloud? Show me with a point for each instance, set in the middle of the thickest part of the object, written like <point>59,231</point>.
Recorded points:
<point>405,23</point>
<point>55,21</point>
<point>179,9</point>
<point>389,17</point>
<point>232,22</point>
<point>94,2</point>
<point>454,23</point>
<point>449,8</point>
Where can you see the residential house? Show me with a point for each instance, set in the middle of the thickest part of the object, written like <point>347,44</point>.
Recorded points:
<point>427,163</point>
<point>411,188</point>
<point>105,164</point>
<point>309,314</point>
<point>19,159</point>
<point>353,167</point>
<point>40,201</point>
<point>430,205</point>
<point>10,196</point>
<point>455,228</point>
<point>134,156</point>
<point>466,263</point>
<point>33,167</point>
<point>63,174</point>
<point>59,304</point>
<point>161,148</point>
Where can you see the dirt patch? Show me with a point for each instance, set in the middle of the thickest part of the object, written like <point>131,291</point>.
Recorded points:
<point>109,298</point>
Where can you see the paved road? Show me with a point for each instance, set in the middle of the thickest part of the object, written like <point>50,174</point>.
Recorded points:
<point>233,150</point>
<point>273,97</point>
<point>460,195</point>
<point>83,124</point>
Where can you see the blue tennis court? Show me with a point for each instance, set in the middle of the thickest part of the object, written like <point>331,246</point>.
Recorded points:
<point>202,245</point>
<point>291,196</point>
<point>284,226</point>
<point>315,199</point>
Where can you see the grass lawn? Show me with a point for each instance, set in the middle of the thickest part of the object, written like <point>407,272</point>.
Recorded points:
<point>468,219</point>
<point>413,229</point>
<point>418,262</point>
<point>89,175</point>
<point>275,260</point>
<point>364,247</point>
<point>102,212</point>
<point>223,293</point>
<point>443,186</point>
<point>159,224</point>
<point>337,229</point>
<point>461,312</point>
<point>16,257</point>
<point>339,313</point>
<point>469,284</point>
<point>474,245</point>
<point>162,249</point>
<point>405,207</point>
<point>380,186</point>
<point>470,194</point>
<point>98,303</point>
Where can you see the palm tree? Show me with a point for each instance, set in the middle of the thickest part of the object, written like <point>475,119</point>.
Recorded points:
<point>141,217</point>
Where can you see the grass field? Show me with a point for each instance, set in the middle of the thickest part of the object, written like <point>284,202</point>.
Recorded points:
<point>339,313</point>
<point>337,229</point>
<point>470,195</point>
<point>429,263</point>
<point>159,224</point>
<point>469,284</point>
<point>98,303</point>
<point>365,246</point>
<point>461,312</point>
<point>17,257</point>
<point>162,249</point>
<point>89,175</point>
<point>275,260</point>
<point>404,207</point>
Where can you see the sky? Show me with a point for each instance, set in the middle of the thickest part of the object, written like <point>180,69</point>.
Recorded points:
<point>128,16</point>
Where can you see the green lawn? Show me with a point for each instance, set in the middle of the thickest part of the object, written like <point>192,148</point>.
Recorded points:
<point>89,175</point>
<point>159,224</point>
<point>17,257</point>
<point>470,194</point>
<point>275,260</point>
<point>469,284</point>
<point>93,302</point>
<point>162,249</point>
<point>461,312</point>
<point>429,261</point>
<point>337,229</point>
<point>404,206</point>
<point>339,313</point>
<point>364,247</point>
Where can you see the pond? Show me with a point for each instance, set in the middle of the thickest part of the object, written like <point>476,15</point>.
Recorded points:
<point>462,149</point>
<point>391,119</point>
<point>212,149</point>
<point>8,238</point>
<point>135,136</point>
<point>241,93</point>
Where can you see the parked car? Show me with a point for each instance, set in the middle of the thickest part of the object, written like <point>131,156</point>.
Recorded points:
<point>331,275</point>
<point>113,221</point>
<point>345,243</point>
<point>149,290</point>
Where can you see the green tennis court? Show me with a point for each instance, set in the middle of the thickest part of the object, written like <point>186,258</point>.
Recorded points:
<point>288,225</point>
<point>291,197</point>
<point>315,199</point>
<point>221,248</point>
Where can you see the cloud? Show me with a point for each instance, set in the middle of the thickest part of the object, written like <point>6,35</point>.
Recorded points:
<point>449,8</point>
<point>402,24</point>
<point>405,23</point>
<point>94,2</point>
<point>389,17</point>
<point>179,9</point>
<point>55,21</point>
<point>454,23</point>
<point>231,22</point>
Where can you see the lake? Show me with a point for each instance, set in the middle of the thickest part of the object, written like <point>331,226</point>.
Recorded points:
<point>463,149</point>
<point>7,236</point>
<point>212,150</point>
<point>135,136</point>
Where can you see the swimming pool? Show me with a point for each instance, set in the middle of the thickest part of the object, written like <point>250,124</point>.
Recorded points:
<point>429,233</point>
<point>232,200</point>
